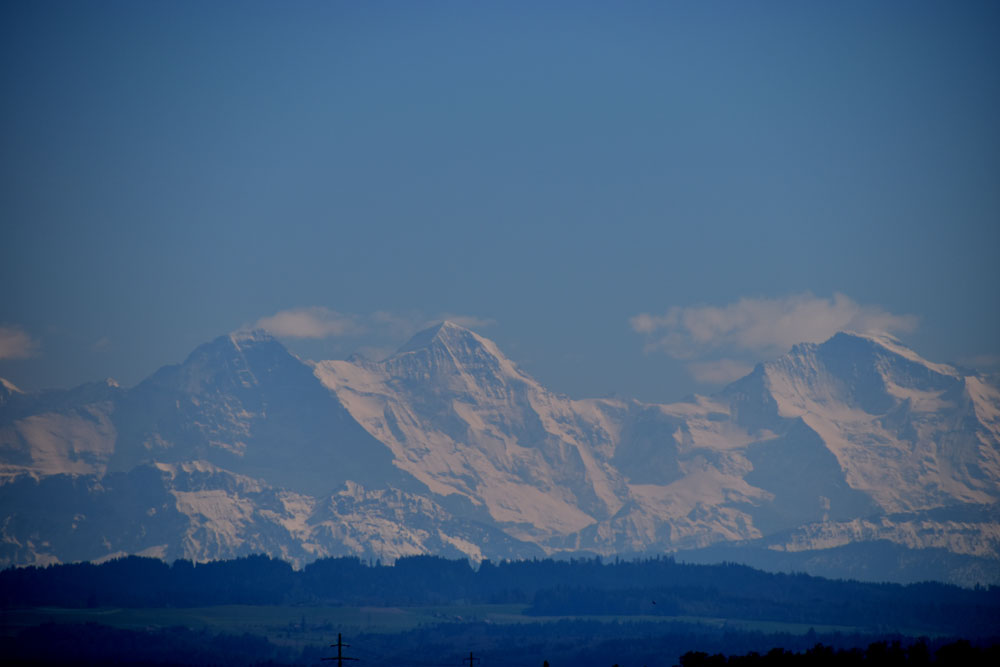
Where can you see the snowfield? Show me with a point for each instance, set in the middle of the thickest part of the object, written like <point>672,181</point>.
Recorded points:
<point>448,447</point>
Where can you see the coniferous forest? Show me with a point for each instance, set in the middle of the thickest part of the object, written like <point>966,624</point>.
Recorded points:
<point>579,612</point>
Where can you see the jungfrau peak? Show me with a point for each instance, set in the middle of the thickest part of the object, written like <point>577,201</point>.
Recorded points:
<point>448,447</point>
<point>911,434</point>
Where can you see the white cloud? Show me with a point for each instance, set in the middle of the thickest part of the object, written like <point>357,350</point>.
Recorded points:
<point>321,322</point>
<point>763,325</point>
<point>722,371</point>
<point>15,343</point>
<point>314,322</point>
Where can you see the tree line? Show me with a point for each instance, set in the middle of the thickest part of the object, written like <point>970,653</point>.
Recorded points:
<point>567,643</point>
<point>883,653</point>
<point>658,587</point>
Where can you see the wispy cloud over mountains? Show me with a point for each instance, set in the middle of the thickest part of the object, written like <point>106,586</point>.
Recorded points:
<point>759,326</point>
<point>318,322</point>
<point>312,322</point>
<point>16,343</point>
<point>762,325</point>
<point>447,446</point>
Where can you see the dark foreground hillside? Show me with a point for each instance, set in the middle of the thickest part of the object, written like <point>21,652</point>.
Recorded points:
<point>878,653</point>
<point>658,587</point>
<point>428,611</point>
<point>579,644</point>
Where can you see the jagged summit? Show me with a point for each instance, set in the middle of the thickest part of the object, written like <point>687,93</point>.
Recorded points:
<point>848,357</point>
<point>861,340</point>
<point>249,337</point>
<point>231,359</point>
<point>877,353</point>
<point>445,333</point>
<point>826,445</point>
<point>872,372</point>
<point>463,420</point>
<point>881,337</point>
<point>232,344</point>
<point>891,344</point>
<point>450,350</point>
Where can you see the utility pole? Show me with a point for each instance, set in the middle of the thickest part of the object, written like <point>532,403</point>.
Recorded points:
<point>472,660</point>
<point>340,655</point>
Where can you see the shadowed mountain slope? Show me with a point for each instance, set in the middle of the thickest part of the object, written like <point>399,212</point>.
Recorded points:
<point>447,446</point>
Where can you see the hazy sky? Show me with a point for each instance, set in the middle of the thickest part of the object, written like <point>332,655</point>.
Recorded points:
<point>631,197</point>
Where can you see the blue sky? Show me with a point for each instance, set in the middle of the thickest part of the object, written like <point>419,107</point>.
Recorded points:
<point>640,198</point>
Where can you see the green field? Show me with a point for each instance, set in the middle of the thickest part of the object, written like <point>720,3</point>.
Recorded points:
<point>301,625</point>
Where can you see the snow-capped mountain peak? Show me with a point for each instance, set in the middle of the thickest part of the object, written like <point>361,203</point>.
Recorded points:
<point>243,337</point>
<point>447,442</point>
<point>442,333</point>
<point>463,419</point>
<point>450,359</point>
<point>872,373</point>
<point>908,432</point>
<point>889,345</point>
<point>447,336</point>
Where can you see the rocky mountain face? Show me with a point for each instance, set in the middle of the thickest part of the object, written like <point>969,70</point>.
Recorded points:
<point>447,447</point>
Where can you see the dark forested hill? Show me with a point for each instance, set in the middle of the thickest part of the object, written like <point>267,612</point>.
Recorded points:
<point>658,587</point>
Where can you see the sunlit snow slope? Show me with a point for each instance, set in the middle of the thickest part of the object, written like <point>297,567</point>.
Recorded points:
<point>448,447</point>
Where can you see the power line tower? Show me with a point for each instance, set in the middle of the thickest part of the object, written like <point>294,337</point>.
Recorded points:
<point>340,652</point>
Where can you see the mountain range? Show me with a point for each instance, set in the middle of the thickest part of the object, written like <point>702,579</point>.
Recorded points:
<point>853,457</point>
